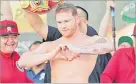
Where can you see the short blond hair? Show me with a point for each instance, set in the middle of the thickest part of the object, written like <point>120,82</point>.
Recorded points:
<point>66,7</point>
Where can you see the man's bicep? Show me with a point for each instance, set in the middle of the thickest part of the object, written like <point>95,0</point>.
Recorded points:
<point>99,39</point>
<point>101,44</point>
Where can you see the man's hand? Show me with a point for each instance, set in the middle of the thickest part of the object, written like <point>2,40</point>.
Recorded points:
<point>57,53</point>
<point>110,3</point>
<point>69,51</point>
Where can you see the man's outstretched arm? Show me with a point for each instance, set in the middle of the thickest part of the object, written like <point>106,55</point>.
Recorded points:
<point>38,56</point>
<point>97,45</point>
<point>100,45</point>
<point>37,24</point>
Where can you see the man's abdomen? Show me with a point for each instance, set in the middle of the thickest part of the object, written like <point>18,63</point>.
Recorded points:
<point>76,71</point>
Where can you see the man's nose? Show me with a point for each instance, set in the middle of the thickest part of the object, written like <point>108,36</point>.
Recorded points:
<point>63,26</point>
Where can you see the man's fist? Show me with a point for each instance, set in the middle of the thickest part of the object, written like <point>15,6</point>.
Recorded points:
<point>110,3</point>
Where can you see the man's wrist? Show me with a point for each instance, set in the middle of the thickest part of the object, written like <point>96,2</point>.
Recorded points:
<point>49,55</point>
<point>108,11</point>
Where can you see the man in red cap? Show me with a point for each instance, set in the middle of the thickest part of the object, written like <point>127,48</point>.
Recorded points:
<point>9,70</point>
<point>121,67</point>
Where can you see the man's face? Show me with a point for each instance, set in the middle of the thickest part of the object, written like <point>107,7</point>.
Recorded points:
<point>8,43</point>
<point>124,45</point>
<point>67,23</point>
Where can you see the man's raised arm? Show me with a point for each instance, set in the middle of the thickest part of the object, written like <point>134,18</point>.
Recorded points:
<point>106,19</point>
<point>37,24</point>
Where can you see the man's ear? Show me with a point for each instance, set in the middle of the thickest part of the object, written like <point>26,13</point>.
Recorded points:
<point>78,18</point>
<point>86,21</point>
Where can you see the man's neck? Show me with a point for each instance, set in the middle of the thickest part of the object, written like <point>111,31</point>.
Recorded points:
<point>83,28</point>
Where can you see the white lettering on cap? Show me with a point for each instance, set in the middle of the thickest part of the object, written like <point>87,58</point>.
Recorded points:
<point>9,29</point>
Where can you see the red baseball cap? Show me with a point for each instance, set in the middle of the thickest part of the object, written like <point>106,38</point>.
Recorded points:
<point>134,31</point>
<point>8,27</point>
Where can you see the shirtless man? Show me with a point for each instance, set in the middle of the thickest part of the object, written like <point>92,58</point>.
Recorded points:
<point>69,64</point>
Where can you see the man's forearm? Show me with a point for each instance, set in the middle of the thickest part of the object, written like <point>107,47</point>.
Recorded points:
<point>104,24</point>
<point>106,19</point>
<point>37,24</point>
<point>29,60</point>
<point>32,58</point>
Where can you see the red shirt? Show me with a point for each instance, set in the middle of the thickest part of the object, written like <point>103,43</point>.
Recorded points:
<point>121,67</point>
<point>9,73</point>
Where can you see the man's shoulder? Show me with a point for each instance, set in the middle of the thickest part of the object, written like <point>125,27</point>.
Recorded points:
<point>52,43</point>
<point>48,43</point>
<point>124,51</point>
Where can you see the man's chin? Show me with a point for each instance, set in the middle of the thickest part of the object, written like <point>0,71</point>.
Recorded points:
<point>10,50</point>
<point>66,35</point>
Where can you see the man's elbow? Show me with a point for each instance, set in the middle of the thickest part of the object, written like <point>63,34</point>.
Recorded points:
<point>109,49</point>
<point>24,60</point>
<point>23,64</point>
<point>106,48</point>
